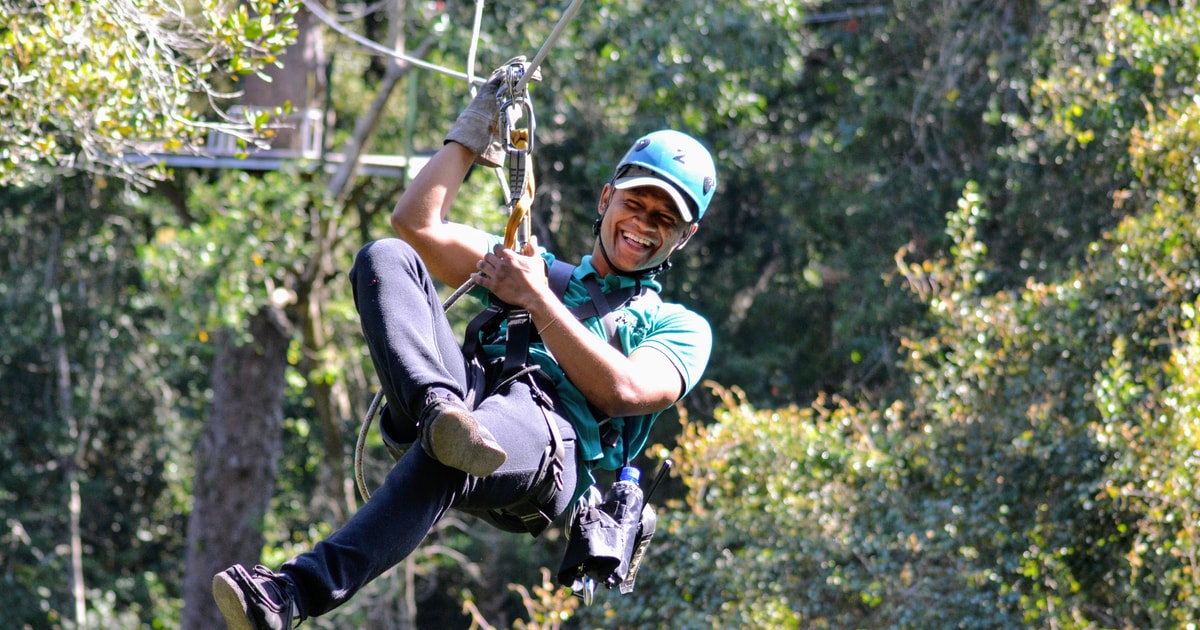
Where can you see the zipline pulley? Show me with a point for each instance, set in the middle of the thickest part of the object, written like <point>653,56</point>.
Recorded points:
<point>516,106</point>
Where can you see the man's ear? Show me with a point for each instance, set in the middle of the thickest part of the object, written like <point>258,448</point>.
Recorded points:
<point>686,236</point>
<point>605,198</point>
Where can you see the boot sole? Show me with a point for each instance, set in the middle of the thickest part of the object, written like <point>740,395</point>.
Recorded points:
<point>230,601</point>
<point>459,442</point>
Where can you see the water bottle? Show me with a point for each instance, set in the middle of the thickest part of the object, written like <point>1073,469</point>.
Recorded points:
<point>624,502</point>
<point>625,495</point>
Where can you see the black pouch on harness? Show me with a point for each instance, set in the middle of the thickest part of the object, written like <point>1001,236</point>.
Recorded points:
<point>607,541</point>
<point>532,514</point>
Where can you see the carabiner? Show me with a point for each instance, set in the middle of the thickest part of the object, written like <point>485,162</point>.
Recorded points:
<point>509,100</point>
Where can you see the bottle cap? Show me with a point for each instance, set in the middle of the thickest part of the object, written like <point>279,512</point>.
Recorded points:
<point>629,473</point>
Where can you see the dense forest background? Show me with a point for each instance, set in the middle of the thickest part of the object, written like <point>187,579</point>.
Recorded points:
<point>952,268</point>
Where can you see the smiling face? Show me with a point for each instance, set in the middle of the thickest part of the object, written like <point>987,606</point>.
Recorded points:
<point>640,229</point>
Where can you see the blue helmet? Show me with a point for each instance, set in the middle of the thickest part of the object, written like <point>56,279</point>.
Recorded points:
<point>677,159</point>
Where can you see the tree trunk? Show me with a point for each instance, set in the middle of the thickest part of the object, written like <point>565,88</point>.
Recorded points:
<point>238,453</point>
<point>66,409</point>
<point>301,82</point>
<point>236,460</point>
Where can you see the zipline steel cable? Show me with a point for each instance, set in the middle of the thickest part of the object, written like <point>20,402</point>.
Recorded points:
<point>568,16</point>
<point>323,15</point>
<point>522,83</point>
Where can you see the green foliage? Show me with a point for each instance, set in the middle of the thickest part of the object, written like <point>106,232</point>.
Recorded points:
<point>122,429</point>
<point>244,246</point>
<point>781,534</point>
<point>84,83</point>
<point>1069,381</point>
<point>1008,438</point>
<point>1041,474</point>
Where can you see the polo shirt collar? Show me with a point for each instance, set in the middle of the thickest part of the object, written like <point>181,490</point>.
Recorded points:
<point>612,281</point>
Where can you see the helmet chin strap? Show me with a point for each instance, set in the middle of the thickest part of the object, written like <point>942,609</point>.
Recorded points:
<point>638,275</point>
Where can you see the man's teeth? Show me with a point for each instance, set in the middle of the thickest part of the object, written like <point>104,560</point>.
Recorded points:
<point>637,239</point>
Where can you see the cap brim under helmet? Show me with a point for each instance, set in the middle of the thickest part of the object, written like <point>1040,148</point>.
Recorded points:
<point>637,177</point>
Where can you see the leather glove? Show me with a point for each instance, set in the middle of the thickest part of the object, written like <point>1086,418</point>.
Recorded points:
<point>478,126</point>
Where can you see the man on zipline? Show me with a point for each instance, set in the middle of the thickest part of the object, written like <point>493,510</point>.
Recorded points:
<point>513,442</point>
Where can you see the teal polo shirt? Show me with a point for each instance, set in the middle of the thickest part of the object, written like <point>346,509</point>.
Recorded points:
<point>681,335</point>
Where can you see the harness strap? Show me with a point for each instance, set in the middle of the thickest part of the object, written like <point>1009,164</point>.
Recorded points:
<point>489,319</point>
<point>520,324</point>
<point>516,349</point>
<point>521,331</point>
<point>600,306</point>
<point>559,275</point>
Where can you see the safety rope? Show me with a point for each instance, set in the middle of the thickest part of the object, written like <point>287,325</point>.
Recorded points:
<point>515,106</point>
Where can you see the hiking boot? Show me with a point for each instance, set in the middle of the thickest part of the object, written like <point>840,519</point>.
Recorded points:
<point>253,601</point>
<point>450,434</point>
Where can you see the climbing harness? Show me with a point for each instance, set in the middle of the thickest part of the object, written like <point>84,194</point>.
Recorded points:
<point>485,328</point>
<point>500,323</point>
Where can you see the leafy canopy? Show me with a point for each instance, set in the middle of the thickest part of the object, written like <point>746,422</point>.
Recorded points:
<point>84,83</point>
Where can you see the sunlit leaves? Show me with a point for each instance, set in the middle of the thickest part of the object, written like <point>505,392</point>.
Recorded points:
<point>1042,470</point>
<point>770,527</point>
<point>1055,408</point>
<point>84,83</point>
